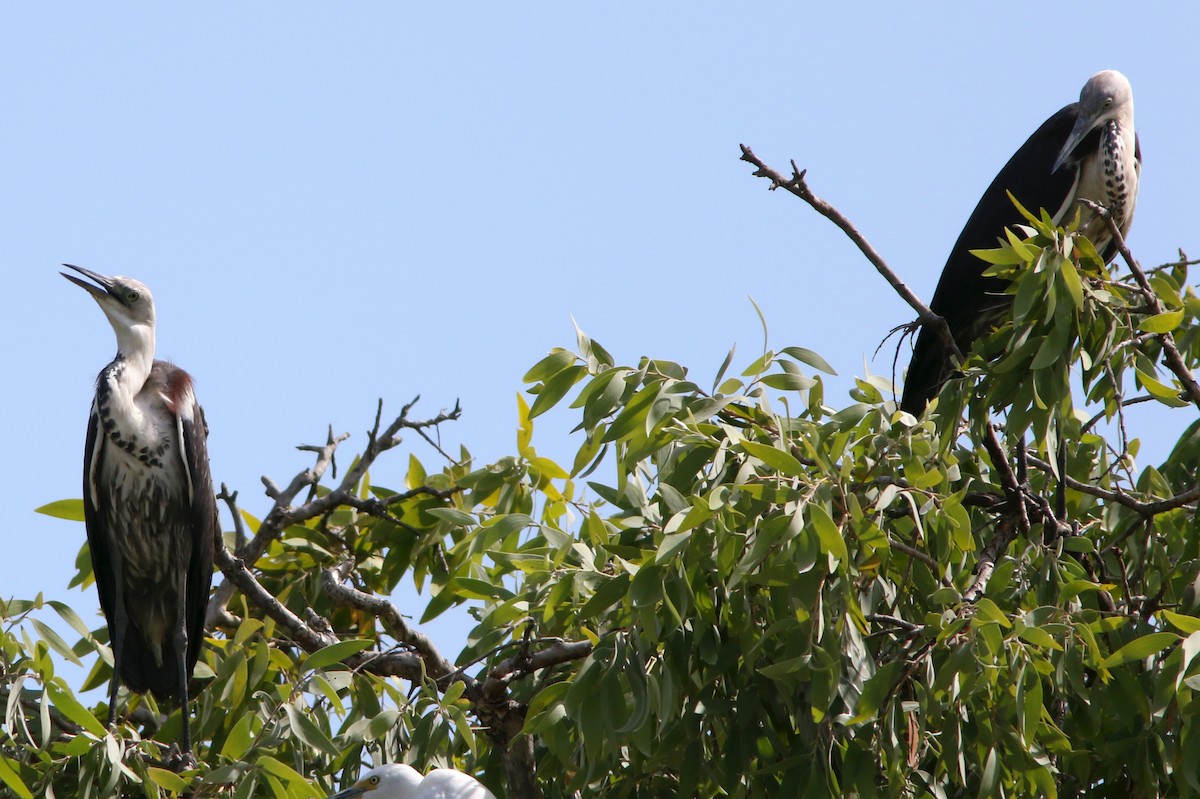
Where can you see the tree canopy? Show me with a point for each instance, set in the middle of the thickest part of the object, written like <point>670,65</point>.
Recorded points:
<point>739,586</point>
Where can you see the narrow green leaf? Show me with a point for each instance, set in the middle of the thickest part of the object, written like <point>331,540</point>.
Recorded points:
<point>56,642</point>
<point>777,459</point>
<point>9,776</point>
<point>1039,637</point>
<point>1000,256</point>
<point>789,382</point>
<point>294,779</point>
<point>1157,388</point>
<point>555,388</point>
<point>1185,624</point>
<point>70,617</point>
<point>308,732</point>
<point>1140,649</point>
<point>724,368</point>
<point>611,591</point>
<point>809,357</point>
<point>453,515</point>
<point>1162,322</point>
<point>335,653</point>
<point>239,738</point>
<point>167,780</point>
<point>1070,279</point>
<point>69,509</point>
<point>66,703</point>
<point>552,364</point>
<point>831,538</point>
<point>672,544</point>
<point>481,589</point>
<point>875,692</point>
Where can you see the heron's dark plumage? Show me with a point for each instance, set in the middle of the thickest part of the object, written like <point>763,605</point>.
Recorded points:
<point>148,502</point>
<point>971,303</point>
<point>161,528</point>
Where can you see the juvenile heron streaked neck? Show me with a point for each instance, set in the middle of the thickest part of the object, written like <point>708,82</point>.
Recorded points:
<point>1087,151</point>
<point>148,503</point>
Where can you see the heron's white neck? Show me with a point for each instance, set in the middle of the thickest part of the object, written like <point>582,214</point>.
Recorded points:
<point>135,345</point>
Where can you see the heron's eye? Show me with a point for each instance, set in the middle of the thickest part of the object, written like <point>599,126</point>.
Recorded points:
<point>374,780</point>
<point>132,297</point>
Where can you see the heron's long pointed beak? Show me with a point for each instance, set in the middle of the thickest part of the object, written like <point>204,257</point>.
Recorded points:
<point>96,291</point>
<point>1083,126</point>
<point>349,793</point>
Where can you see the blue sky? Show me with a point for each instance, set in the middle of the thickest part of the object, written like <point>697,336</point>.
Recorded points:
<point>335,203</point>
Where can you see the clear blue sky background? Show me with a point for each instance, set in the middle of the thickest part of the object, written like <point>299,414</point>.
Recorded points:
<point>339,202</point>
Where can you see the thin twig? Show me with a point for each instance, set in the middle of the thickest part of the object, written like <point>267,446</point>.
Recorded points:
<point>799,187</point>
<point>1171,355</point>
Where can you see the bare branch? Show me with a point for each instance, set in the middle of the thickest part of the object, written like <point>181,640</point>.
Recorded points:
<point>523,664</point>
<point>436,666</point>
<point>283,514</point>
<point>1005,532</point>
<point>235,570</point>
<point>799,187</point>
<point>1146,509</point>
<point>1171,355</point>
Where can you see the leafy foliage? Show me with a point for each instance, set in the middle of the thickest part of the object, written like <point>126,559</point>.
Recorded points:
<point>731,590</point>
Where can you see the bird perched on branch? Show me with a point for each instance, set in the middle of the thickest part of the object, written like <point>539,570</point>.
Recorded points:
<point>148,503</point>
<point>1087,151</point>
<point>400,781</point>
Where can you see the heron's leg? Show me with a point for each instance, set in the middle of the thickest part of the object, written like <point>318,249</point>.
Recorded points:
<point>181,658</point>
<point>120,626</point>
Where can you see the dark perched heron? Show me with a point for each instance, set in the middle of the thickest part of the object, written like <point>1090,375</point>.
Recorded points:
<point>399,781</point>
<point>1087,151</point>
<point>148,503</point>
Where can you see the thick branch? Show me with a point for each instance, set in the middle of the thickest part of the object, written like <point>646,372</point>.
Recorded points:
<point>235,571</point>
<point>436,666</point>
<point>308,636</point>
<point>1147,509</point>
<point>799,187</point>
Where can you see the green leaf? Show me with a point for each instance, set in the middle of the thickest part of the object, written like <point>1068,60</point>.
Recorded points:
<point>455,516</point>
<point>308,732</point>
<point>1070,279</point>
<point>56,642</point>
<point>1157,389</point>
<point>1162,322</point>
<point>831,538</point>
<point>66,703</point>
<point>294,779</point>
<point>481,589</point>
<point>552,364</point>
<point>672,544</point>
<point>1039,637</point>
<point>611,591</point>
<point>9,776</point>
<point>1004,256</point>
<point>777,459</point>
<point>555,388</point>
<point>239,738</point>
<point>1185,624</point>
<point>335,653</point>
<point>70,617</point>
<point>69,509</point>
<point>876,690</point>
<point>167,780</point>
<point>809,357</point>
<point>1140,649</point>
<point>789,382</point>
